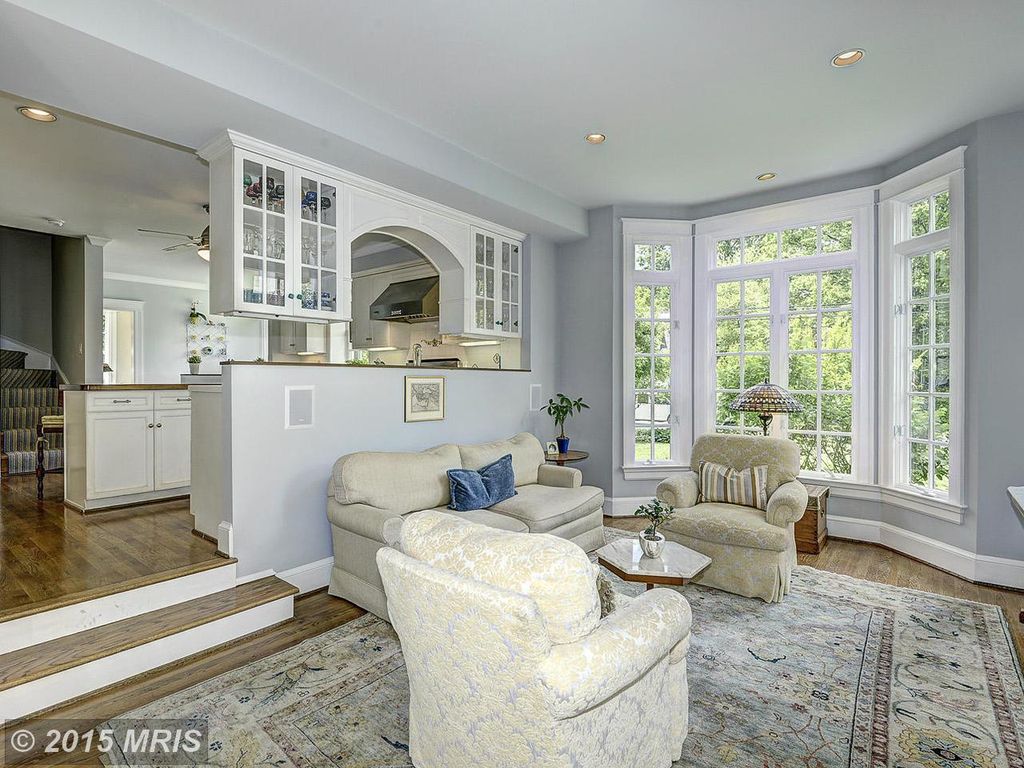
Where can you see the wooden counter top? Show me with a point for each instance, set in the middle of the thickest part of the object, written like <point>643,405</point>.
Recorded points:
<point>125,387</point>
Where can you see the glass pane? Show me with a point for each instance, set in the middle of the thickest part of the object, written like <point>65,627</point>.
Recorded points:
<point>920,323</point>
<point>757,294</point>
<point>514,296</point>
<point>941,272</point>
<point>662,373</point>
<point>642,301</point>
<point>643,445</point>
<point>515,258</point>
<point>489,282</point>
<point>328,205</point>
<point>489,251</point>
<point>942,322</point>
<point>642,372</point>
<point>807,419</point>
<point>941,380</point>
<point>940,468</point>
<point>837,330</point>
<point>276,242</point>
<point>481,283</point>
<point>662,407</point>
<point>506,316</point>
<point>506,288</point>
<point>756,332</point>
<point>489,313</point>
<point>728,252</point>
<point>310,288</point>
<point>803,291</point>
<point>803,332</point>
<point>480,306</point>
<point>252,184</point>
<point>942,210</point>
<point>252,280</point>
<point>506,257</point>
<point>760,248</point>
<point>799,242</point>
<point>329,291</point>
<point>837,370</point>
<point>808,451</point>
<point>642,336</point>
<point>920,218</point>
<point>837,454</point>
<point>642,257</point>
<point>308,204</point>
<point>837,413</point>
<point>920,371</point>
<point>661,338</point>
<point>919,417</point>
<point>515,317</point>
<point>329,248</point>
<point>920,276</point>
<point>663,444</point>
<point>643,410</point>
<point>837,288</point>
<point>662,258</point>
<point>275,284</point>
<point>940,419</point>
<point>727,372</point>
<point>662,302</point>
<point>310,246</point>
<point>837,236</point>
<point>727,298</point>
<point>479,250</point>
<point>803,372</point>
<point>756,369</point>
<point>728,336</point>
<point>252,232</point>
<point>724,415</point>
<point>275,190</point>
<point>919,461</point>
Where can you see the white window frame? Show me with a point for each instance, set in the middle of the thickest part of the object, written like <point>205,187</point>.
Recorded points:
<point>857,205</point>
<point>678,235</point>
<point>895,246</point>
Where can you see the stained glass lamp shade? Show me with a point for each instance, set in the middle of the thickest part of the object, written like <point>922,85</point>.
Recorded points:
<point>765,400</point>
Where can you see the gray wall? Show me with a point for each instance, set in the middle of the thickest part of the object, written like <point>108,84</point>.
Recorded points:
<point>77,296</point>
<point>25,276</point>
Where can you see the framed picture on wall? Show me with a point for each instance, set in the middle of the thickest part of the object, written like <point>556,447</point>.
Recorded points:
<point>424,398</point>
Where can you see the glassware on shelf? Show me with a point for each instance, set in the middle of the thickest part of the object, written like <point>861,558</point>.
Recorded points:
<point>252,240</point>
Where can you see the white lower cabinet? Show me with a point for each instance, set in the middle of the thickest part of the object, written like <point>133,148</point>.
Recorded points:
<point>126,447</point>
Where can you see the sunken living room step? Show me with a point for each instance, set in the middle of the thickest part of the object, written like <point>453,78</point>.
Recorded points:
<point>41,676</point>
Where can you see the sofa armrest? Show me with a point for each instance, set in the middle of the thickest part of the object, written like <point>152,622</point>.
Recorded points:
<point>627,643</point>
<point>559,477</point>
<point>362,519</point>
<point>679,490</point>
<point>787,504</point>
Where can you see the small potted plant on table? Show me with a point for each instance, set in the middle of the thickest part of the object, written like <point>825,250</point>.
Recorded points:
<point>194,361</point>
<point>560,408</point>
<point>652,542</point>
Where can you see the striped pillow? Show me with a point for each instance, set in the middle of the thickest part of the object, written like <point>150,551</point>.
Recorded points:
<point>747,487</point>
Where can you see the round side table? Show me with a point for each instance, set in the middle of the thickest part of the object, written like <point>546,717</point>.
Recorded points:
<point>561,459</point>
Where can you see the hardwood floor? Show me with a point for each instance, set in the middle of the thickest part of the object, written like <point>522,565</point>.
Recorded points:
<point>49,553</point>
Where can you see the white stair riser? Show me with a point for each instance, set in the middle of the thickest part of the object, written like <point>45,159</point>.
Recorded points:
<point>63,686</point>
<point>58,622</point>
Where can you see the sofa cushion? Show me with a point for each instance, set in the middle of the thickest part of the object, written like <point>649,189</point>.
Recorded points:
<point>729,524</point>
<point>555,573</point>
<point>472,489</point>
<point>486,517</point>
<point>782,457</point>
<point>733,486</point>
<point>527,456</point>
<point>400,482</point>
<point>544,508</point>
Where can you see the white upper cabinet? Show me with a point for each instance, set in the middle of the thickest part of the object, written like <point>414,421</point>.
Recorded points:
<point>496,285</point>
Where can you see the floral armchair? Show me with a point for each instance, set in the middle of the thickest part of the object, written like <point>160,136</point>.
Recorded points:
<point>510,662</point>
<point>752,551</point>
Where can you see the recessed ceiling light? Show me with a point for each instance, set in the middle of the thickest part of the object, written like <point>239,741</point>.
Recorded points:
<point>848,58</point>
<point>37,114</point>
<point>595,138</point>
<point>766,176</point>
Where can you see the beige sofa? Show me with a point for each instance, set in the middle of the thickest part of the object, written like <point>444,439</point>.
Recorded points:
<point>369,492</point>
<point>510,663</point>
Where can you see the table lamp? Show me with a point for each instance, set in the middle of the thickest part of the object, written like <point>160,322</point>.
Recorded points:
<point>765,400</point>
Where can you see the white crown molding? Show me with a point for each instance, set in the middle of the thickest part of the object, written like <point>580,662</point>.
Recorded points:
<point>787,213</point>
<point>126,277</point>
<point>98,241</point>
<point>943,165</point>
<point>667,227</point>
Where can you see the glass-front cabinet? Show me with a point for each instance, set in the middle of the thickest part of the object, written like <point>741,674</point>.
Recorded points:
<point>317,267</point>
<point>497,297</point>
<point>261,193</point>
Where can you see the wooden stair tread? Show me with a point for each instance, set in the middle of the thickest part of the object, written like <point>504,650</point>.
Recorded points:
<point>37,661</point>
<point>20,611</point>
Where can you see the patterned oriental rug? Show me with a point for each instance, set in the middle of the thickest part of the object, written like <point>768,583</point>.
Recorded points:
<point>845,673</point>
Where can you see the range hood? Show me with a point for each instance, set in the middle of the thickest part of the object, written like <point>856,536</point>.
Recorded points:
<point>412,301</point>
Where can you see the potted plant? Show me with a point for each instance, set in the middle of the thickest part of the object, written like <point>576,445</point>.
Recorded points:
<point>652,542</point>
<point>194,359</point>
<point>561,409</point>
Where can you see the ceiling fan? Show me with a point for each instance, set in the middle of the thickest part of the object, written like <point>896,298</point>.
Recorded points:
<point>200,242</point>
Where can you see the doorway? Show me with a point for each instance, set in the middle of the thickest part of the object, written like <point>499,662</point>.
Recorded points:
<point>122,341</point>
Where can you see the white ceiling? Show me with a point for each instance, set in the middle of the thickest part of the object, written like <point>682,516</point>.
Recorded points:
<point>696,96</point>
<point>104,182</point>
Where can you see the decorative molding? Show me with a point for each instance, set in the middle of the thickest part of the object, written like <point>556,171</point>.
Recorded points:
<point>309,576</point>
<point>960,562</point>
<point>942,509</point>
<point>653,471</point>
<point>126,277</point>
<point>943,165</point>
<point>788,213</point>
<point>225,535</point>
<point>624,506</point>
<point>98,241</point>
<point>649,227</point>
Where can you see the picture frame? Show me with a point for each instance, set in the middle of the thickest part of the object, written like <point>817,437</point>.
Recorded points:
<point>551,448</point>
<point>424,398</point>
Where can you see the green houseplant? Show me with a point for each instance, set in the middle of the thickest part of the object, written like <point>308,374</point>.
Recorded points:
<point>652,542</point>
<point>560,408</point>
<point>194,360</point>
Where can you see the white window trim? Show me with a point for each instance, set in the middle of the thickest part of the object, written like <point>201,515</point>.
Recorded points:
<point>945,170</point>
<point>856,204</point>
<point>678,234</point>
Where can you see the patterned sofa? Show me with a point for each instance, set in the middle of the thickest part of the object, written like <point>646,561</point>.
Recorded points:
<point>752,551</point>
<point>368,493</point>
<point>510,663</point>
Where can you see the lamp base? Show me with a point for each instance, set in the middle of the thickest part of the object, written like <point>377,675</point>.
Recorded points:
<point>766,420</point>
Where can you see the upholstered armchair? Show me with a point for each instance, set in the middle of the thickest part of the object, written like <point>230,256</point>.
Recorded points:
<point>752,551</point>
<point>510,663</point>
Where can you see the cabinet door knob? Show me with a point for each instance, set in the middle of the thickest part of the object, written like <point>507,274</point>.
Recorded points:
<point>150,426</point>
<point>497,322</point>
<point>159,424</point>
<point>291,295</point>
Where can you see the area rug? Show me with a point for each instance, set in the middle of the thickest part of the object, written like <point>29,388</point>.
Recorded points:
<point>845,673</point>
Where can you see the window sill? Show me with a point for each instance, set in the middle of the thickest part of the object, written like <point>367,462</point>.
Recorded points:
<point>652,471</point>
<point>943,509</point>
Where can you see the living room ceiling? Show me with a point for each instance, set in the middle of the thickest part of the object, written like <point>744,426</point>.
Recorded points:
<point>697,97</point>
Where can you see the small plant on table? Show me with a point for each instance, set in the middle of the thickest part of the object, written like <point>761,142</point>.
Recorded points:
<point>657,514</point>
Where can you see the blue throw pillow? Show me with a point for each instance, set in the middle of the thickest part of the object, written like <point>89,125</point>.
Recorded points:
<point>472,489</point>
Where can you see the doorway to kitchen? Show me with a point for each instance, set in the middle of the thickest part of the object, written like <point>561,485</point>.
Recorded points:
<point>122,341</point>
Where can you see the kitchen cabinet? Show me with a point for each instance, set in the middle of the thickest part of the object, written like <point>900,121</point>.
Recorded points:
<point>126,446</point>
<point>496,280</point>
<point>299,338</point>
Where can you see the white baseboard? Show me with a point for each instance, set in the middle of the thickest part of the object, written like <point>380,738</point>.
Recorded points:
<point>309,576</point>
<point>981,568</point>
<point>624,506</point>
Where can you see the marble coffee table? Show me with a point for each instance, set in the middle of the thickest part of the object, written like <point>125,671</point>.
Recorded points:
<point>676,566</point>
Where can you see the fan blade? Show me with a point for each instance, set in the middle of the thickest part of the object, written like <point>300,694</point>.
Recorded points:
<point>162,232</point>
<point>176,247</point>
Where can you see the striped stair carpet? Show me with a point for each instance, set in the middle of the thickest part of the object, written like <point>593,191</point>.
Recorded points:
<point>26,395</point>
